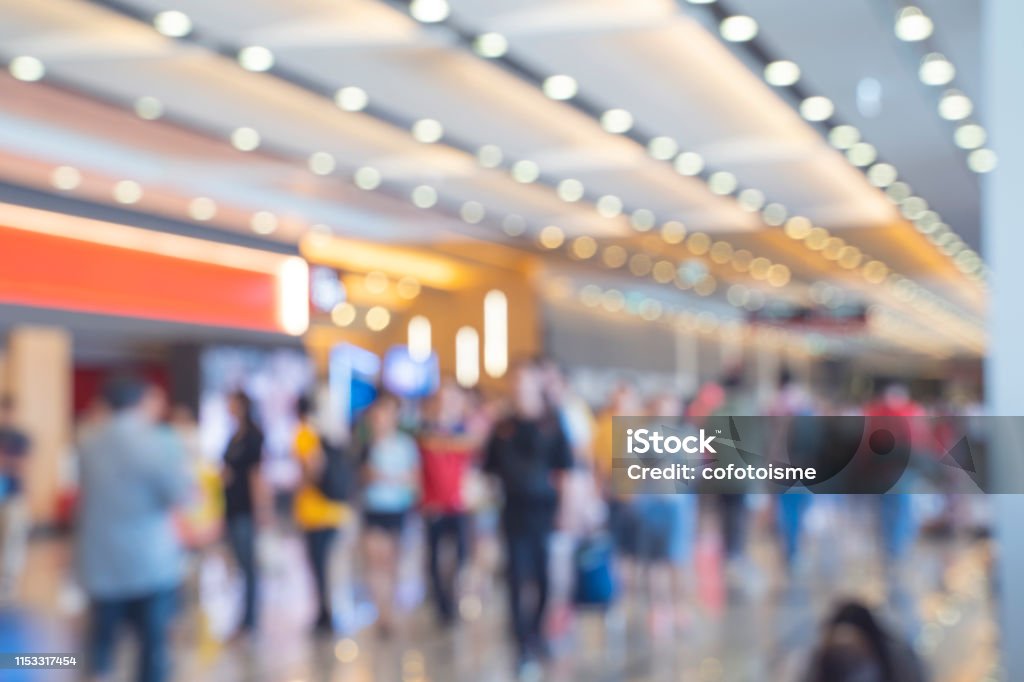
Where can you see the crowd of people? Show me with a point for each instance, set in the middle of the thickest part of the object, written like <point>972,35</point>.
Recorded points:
<point>519,471</point>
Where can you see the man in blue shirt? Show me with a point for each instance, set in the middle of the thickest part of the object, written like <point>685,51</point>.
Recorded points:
<point>133,475</point>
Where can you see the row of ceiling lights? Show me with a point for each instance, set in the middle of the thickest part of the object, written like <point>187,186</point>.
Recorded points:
<point>954,106</point>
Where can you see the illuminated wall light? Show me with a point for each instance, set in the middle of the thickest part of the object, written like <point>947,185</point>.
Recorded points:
<point>490,45</point>
<point>722,182</point>
<point>701,2</point>
<point>640,265</point>
<point>882,175</point>
<point>489,156</point>
<point>936,70</point>
<point>617,121</point>
<point>525,171</point>
<point>609,206</point>
<point>689,163</point>
<point>642,220</point>
<point>760,267</point>
<point>495,333</point>
<point>343,314</point>
<point>263,222</point>
<point>913,25</point>
<point>427,130</point>
<point>774,214</point>
<point>584,247</point>
<point>570,190</point>
<point>751,199</point>
<point>551,237</point>
<point>65,178</point>
<point>367,178</point>
<point>862,154</point>
<point>798,227</point>
<point>321,163</point>
<point>467,357</point>
<point>706,286</point>
<point>738,29</point>
<point>408,288</point>
<point>472,212</point>
<point>245,139</point>
<point>955,106</point>
<point>875,272</point>
<point>898,191</point>
<point>613,301</point>
<point>127,192</point>
<point>172,23</point>
<point>256,58</point>
<point>375,282</point>
<point>377,318</point>
<point>663,271</point>
<point>673,232</point>
<point>832,248</point>
<point>817,108</point>
<point>816,238</point>
<point>782,73</point>
<point>429,11</point>
<point>970,136</point>
<point>293,296</point>
<point>514,225</point>
<point>982,161</point>
<point>419,338</point>
<point>849,257</point>
<point>721,252</point>
<point>149,108</point>
<point>662,148</point>
<point>351,98</point>
<point>698,243</point>
<point>424,196</point>
<point>929,222</point>
<point>560,87</point>
<point>202,208</point>
<point>913,207</point>
<point>28,69</point>
<point>741,260</point>
<point>778,275</point>
<point>614,256</point>
<point>843,136</point>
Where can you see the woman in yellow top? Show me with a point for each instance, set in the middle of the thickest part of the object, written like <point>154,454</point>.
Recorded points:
<point>316,515</point>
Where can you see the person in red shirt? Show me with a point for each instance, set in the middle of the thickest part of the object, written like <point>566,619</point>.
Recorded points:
<point>447,453</point>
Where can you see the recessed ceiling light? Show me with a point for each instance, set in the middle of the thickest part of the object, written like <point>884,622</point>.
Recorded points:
<point>617,121</point>
<point>862,154</point>
<point>66,178</point>
<point>489,156</point>
<point>751,199</point>
<point>202,208</point>
<point>127,192</point>
<point>642,220</point>
<point>427,130</point>
<point>722,182</point>
<point>570,190</point>
<point>263,222</point>
<point>913,25</point>
<point>689,163</point>
<point>149,108</point>
<point>609,206</point>
<point>955,106</point>
<point>560,87</point>
<point>351,98</point>
<point>424,196</point>
<point>245,139</point>
<point>429,11</point>
<point>256,58</point>
<point>738,29</point>
<point>662,148</point>
<point>525,171</point>
<point>321,163</point>
<point>490,45</point>
<point>882,174</point>
<point>28,69</point>
<point>982,160</point>
<point>173,24</point>
<point>970,136</point>
<point>817,108</point>
<point>936,70</point>
<point>367,177</point>
<point>514,225</point>
<point>472,212</point>
<point>551,237</point>
<point>843,136</point>
<point>782,73</point>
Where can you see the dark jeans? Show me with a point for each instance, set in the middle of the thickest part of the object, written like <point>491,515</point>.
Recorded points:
<point>733,508</point>
<point>526,548</point>
<point>149,618</point>
<point>456,529</point>
<point>318,550</point>
<point>241,531</point>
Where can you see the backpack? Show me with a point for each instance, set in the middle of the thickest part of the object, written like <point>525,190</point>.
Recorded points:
<point>338,476</point>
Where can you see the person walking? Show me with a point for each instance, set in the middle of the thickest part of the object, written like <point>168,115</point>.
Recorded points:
<point>318,516</point>
<point>130,562</point>
<point>15,447</point>
<point>527,454</point>
<point>243,501</point>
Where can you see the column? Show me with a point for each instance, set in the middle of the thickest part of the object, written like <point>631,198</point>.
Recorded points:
<point>39,375</point>
<point>1003,242</point>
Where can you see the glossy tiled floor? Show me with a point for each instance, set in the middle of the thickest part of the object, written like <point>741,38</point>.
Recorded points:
<point>759,628</point>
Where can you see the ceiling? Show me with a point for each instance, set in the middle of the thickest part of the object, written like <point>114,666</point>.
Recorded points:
<point>660,60</point>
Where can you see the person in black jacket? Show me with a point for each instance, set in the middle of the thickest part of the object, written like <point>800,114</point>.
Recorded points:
<point>526,454</point>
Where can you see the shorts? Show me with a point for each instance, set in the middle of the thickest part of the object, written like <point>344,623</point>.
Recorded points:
<point>389,522</point>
